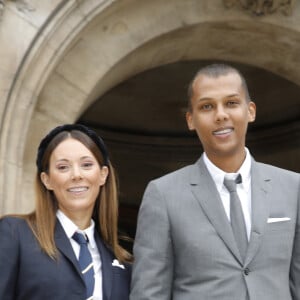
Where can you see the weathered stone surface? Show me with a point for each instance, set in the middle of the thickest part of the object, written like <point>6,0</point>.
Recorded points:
<point>263,7</point>
<point>59,57</point>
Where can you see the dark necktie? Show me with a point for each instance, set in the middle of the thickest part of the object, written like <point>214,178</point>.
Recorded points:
<point>236,215</point>
<point>85,263</point>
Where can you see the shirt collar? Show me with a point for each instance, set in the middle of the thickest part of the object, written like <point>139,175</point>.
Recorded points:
<point>218,174</point>
<point>70,227</point>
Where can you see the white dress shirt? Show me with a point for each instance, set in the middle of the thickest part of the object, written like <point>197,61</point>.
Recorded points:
<point>243,189</point>
<point>70,228</point>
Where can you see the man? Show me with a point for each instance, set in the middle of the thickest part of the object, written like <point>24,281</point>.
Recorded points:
<point>199,239</point>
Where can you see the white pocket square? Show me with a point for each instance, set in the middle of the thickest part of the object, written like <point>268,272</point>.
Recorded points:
<point>273,220</point>
<point>116,263</point>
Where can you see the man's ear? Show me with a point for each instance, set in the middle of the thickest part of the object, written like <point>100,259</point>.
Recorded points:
<point>251,111</point>
<point>46,180</point>
<point>189,120</point>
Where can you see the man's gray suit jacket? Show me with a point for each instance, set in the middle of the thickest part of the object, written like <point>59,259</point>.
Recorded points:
<point>185,249</point>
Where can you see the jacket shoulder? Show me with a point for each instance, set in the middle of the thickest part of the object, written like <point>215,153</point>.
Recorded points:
<point>15,226</point>
<point>277,171</point>
<point>175,175</point>
<point>278,175</point>
<point>13,221</point>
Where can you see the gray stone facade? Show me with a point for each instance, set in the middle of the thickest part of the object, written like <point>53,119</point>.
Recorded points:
<point>58,57</point>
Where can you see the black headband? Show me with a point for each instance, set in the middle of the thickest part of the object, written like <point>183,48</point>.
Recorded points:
<point>69,127</point>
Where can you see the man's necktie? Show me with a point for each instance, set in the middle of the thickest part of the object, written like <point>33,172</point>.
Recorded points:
<point>85,263</point>
<point>236,215</point>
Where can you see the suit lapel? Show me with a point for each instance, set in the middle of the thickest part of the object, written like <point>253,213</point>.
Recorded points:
<point>106,261</point>
<point>260,203</point>
<point>205,191</point>
<point>63,244</point>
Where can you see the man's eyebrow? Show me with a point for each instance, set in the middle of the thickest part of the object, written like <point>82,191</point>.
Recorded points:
<point>211,98</point>
<point>233,95</point>
<point>204,99</point>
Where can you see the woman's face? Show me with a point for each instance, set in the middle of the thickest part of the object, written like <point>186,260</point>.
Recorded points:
<point>75,177</point>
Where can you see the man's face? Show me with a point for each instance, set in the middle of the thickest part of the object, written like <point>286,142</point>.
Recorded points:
<point>220,114</point>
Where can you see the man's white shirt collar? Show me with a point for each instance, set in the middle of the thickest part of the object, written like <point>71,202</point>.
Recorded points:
<point>218,174</point>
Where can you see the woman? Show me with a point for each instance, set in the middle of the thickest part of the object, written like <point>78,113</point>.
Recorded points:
<point>68,247</point>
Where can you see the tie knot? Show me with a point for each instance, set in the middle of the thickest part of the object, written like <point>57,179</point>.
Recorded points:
<point>230,184</point>
<point>80,238</point>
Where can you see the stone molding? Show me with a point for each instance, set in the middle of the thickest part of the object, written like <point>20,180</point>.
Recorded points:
<point>124,37</point>
<point>21,6</point>
<point>41,56</point>
<point>2,5</point>
<point>256,7</point>
<point>263,7</point>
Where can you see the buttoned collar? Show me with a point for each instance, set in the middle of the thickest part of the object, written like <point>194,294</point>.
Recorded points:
<point>70,228</point>
<point>218,174</point>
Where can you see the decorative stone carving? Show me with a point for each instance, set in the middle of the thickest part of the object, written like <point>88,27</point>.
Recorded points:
<point>2,4</point>
<point>263,7</point>
<point>21,5</point>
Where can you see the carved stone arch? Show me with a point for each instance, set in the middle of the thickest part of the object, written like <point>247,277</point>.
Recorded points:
<point>88,47</point>
<point>52,40</point>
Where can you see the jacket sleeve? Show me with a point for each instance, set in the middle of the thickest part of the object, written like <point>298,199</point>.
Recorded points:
<point>295,261</point>
<point>9,248</point>
<point>153,254</point>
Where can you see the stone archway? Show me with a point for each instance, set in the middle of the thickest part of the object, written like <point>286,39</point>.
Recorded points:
<point>88,47</point>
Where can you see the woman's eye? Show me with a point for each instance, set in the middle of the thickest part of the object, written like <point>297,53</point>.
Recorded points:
<point>62,167</point>
<point>87,165</point>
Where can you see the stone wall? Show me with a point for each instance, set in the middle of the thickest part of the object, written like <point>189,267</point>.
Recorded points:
<point>58,57</point>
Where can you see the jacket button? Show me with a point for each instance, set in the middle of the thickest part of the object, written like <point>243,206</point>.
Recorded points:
<point>246,271</point>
